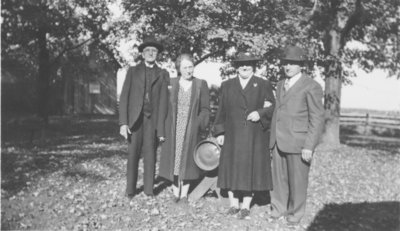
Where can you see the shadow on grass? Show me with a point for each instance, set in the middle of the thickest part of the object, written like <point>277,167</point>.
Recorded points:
<point>65,143</point>
<point>17,170</point>
<point>389,145</point>
<point>362,216</point>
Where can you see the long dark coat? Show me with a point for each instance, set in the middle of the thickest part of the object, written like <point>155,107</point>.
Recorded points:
<point>245,161</point>
<point>198,119</point>
<point>132,97</point>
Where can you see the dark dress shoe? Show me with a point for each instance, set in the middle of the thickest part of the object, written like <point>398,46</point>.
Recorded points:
<point>244,214</point>
<point>232,211</point>
<point>130,196</point>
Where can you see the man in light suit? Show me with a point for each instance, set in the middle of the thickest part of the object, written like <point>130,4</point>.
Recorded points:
<point>296,127</point>
<point>142,112</point>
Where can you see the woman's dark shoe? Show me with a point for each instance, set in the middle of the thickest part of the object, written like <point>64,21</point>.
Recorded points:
<point>232,211</point>
<point>130,196</point>
<point>244,214</point>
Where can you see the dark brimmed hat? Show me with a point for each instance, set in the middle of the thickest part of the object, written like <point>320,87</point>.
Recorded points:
<point>246,57</point>
<point>151,41</point>
<point>206,154</point>
<point>294,53</point>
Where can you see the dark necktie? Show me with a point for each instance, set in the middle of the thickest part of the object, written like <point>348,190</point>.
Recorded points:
<point>286,86</point>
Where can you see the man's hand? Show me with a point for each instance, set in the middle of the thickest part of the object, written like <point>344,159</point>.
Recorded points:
<point>254,116</point>
<point>124,131</point>
<point>161,138</point>
<point>306,155</point>
<point>220,139</point>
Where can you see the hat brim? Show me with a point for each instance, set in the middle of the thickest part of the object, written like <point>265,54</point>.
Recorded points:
<point>293,59</point>
<point>247,60</point>
<point>206,155</point>
<point>151,44</point>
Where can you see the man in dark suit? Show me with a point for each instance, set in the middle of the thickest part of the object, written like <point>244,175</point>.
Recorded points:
<point>296,127</point>
<point>142,112</point>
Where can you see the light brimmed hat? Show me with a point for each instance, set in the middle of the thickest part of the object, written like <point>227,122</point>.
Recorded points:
<point>246,57</point>
<point>151,41</point>
<point>294,53</point>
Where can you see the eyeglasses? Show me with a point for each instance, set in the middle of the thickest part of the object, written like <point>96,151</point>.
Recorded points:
<point>245,68</point>
<point>150,50</point>
<point>291,62</point>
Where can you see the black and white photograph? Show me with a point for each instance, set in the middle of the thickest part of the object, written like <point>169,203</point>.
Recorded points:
<point>158,115</point>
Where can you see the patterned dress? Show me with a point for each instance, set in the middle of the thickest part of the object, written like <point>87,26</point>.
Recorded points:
<point>181,124</point>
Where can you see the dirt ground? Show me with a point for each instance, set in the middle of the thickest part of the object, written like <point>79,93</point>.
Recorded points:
<point>71,176</point>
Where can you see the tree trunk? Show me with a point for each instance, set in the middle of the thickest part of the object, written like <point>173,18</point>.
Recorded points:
<point>43,80</point>
<point>333,85</point>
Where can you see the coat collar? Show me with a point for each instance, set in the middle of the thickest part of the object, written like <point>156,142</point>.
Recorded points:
<point>250,85</point>
<point>175,89</point>
<point>244,93</point>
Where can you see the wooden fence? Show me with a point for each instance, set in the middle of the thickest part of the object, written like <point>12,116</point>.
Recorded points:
<point>370,120</point>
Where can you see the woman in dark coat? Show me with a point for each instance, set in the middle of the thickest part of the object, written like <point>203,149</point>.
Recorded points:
<point>188,115</point>
<point>243,119</point>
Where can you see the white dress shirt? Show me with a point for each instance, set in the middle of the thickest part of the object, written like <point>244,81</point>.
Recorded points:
<point>289,82</point>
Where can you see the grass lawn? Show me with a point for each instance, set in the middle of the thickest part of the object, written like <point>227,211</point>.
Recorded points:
<point>72,177</point>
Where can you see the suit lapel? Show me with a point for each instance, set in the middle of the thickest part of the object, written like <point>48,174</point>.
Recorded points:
<point>142,74</point>
<point>174,90</point>
<point>157,74</point>
<point>250,85</point>
<point>240,92</point>
<point>195,91</point>
<point>173,97</point>
<point>279,92</point>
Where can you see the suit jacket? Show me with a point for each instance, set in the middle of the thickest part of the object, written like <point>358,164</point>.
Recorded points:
<point>133,93</point>
<point>298,117</point>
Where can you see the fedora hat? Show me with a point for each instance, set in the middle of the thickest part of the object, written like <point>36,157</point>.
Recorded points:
<point>150,41</point>
<point>206,154</point>
<point>294,53</point>
<point>246,57</point>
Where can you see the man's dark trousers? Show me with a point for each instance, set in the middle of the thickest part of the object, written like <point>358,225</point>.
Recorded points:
<point>141,143</point>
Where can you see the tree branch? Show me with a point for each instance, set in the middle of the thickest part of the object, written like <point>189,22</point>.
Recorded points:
<point>110,54</point>
<point>208,56</point>
<point>69,49</point>
<point>355,19</point>
<point>314,9</point>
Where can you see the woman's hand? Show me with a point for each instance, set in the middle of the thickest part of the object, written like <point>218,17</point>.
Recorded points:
<point>220,139</point>
<point>254,116</point>
<point>124,131</point>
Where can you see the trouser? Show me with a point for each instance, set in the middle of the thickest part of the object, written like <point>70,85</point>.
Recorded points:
<point>141,143</point>
<point>290,181</point>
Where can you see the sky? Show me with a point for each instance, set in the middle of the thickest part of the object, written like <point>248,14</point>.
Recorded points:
<point>374,91</point>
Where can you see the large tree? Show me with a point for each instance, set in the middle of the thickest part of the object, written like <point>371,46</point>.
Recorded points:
<point>209,28</point>
<point>39,36</point>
